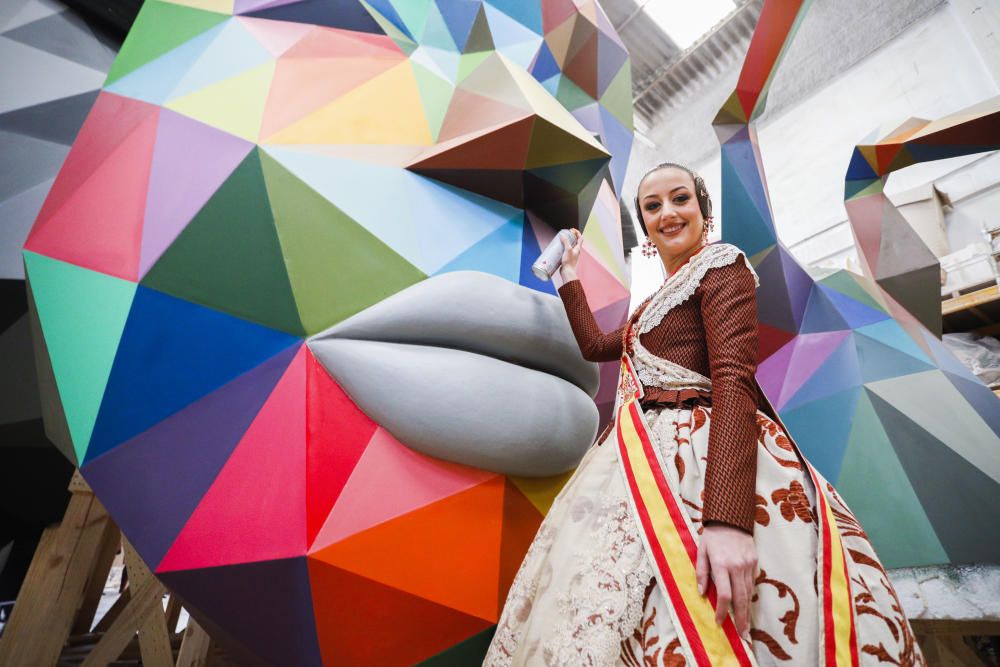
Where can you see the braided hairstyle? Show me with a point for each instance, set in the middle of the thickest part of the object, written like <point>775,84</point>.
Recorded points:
<point>700,192</point>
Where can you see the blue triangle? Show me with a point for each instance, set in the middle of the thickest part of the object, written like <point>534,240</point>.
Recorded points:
<point>890,333</point>
<point>459,17</point>
<point>855,313</point>
<point>821,429</point>
<point>980,397</point>
<point>528,14</point>
<point>821,315</point>
<point>545,65</point>
<point>499,253</point>
<point>744,226</point>
<point>171,353</point>
<point>436,31</point>
<point>859,168</point>
<point>839,372</point>
<point>529,253</point>
<point>385,8</point>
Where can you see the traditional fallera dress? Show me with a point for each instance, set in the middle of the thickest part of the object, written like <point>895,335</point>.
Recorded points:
<point>610,576</point>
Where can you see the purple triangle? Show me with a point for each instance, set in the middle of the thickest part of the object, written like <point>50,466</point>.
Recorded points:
<point>772,371</point>
<point>190,161</point>
<point>152,483</point>
<point>799,284</point>
<point>811,350</point>
<point>264,610</point>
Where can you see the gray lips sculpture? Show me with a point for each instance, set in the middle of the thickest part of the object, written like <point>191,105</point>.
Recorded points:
<point>470,353</point>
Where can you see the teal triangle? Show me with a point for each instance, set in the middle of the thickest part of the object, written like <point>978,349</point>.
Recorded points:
<point>872,480</point>
<point>744,226</point>
<point>879,361</point>
<point>821,430</point>
<point>498,254</point>
<point>528,14</point>
<point>436,32</point>
<point>82,314</point>
<point>890,333</point>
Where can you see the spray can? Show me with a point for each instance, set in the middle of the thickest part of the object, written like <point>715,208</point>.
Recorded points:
<point>551,258</point>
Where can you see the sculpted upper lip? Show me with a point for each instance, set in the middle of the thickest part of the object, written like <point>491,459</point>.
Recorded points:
<point>471,368</point>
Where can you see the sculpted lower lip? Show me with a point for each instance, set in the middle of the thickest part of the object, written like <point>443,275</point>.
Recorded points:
<point>470,368</point>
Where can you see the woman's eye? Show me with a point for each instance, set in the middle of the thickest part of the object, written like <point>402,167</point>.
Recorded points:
<point>652,207</point>
<point>680,199</point>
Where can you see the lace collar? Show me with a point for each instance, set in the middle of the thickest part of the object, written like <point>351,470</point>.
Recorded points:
<point>679,287</point>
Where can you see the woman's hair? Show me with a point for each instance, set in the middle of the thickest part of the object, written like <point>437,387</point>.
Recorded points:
<point>700,192</point>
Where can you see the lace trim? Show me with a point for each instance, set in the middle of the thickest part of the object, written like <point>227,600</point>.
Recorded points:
<point>679,287</point>
<point>654,371</point>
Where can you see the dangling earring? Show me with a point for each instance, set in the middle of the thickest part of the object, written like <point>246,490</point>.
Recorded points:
<point>649,249</point>
<point>709,226</point>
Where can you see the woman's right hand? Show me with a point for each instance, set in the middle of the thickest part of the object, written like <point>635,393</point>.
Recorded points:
<point>571,256</point>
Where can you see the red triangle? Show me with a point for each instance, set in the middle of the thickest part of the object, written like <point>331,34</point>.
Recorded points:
<point>93,214</point>
<point>521,520</point>
<point>503,147</point>
<point>770,340</point>
<point>256,508</point>
<point>337,434</point>
<point>363,622</point>
<point>448,552</point>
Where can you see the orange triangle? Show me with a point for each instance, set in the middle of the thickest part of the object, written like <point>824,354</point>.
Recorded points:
<point>520,523</point>
<point>885,154</point>
<point>363,622</point>
<point>447,552</point>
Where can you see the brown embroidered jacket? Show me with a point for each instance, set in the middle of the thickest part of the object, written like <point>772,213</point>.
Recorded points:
<point>713,332</point>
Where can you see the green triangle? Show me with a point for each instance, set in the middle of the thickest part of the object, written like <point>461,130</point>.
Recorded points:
<point>337,268</point>
<point>617,97</point>
<point>471,651</point>
<point>873,481</point>
<point>571,95</point>
<point>846,284</point>
<point>436,94</point>
<point>82,314</point>
<point>469,62</point>
<point>229,257</point>
<point>402,40</point>
<point>480,36</point>
<point>436,32</point>
<point>160,27</point>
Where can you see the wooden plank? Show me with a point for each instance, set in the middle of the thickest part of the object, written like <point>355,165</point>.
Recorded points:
<point>145,600</point>
<point>38,629</point>
<point>95,587</point>
<point>970,300</point>
<point>173,613</point>
<point>194,646</point>
<point>114,612</point>
<point>154,637</point>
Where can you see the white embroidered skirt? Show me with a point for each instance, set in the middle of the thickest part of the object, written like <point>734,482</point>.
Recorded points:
<point>586,593</point>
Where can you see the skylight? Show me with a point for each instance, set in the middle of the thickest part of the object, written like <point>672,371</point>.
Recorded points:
<point>686,21</point>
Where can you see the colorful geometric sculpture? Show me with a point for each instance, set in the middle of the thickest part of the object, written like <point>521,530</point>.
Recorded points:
<point>52,68</point>
<point>909,436</point>
<point>253,173</point>
<point>891,251</point>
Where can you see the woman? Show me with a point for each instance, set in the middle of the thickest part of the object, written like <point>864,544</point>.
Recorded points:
<point>694,533</point>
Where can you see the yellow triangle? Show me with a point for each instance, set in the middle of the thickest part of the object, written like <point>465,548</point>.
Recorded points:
<point>548,107</point>
<point>235,105</point>
<point>541,491</point>
<point>386,110</point>
<point>600,247</point>
<point>217,6</point>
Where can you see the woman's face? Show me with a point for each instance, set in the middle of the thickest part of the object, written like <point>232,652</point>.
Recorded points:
<point>670,212</point>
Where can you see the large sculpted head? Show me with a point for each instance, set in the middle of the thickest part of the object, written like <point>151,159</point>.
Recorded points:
<point>284,315</point>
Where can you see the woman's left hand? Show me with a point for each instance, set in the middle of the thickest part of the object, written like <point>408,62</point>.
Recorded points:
<point>729,556</point>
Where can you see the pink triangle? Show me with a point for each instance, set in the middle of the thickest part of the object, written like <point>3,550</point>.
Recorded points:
<point>600,285</point>
<point>190,161</point>
<point>256,508</point>
<point>247,6</point>
<point>92,216</point>
<point>811,350</point>
<point>275,36</point>
<point>391,480</point>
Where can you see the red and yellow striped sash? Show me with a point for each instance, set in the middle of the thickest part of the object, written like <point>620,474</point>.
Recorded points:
<point>674,552</point>
<point>672,548</point>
